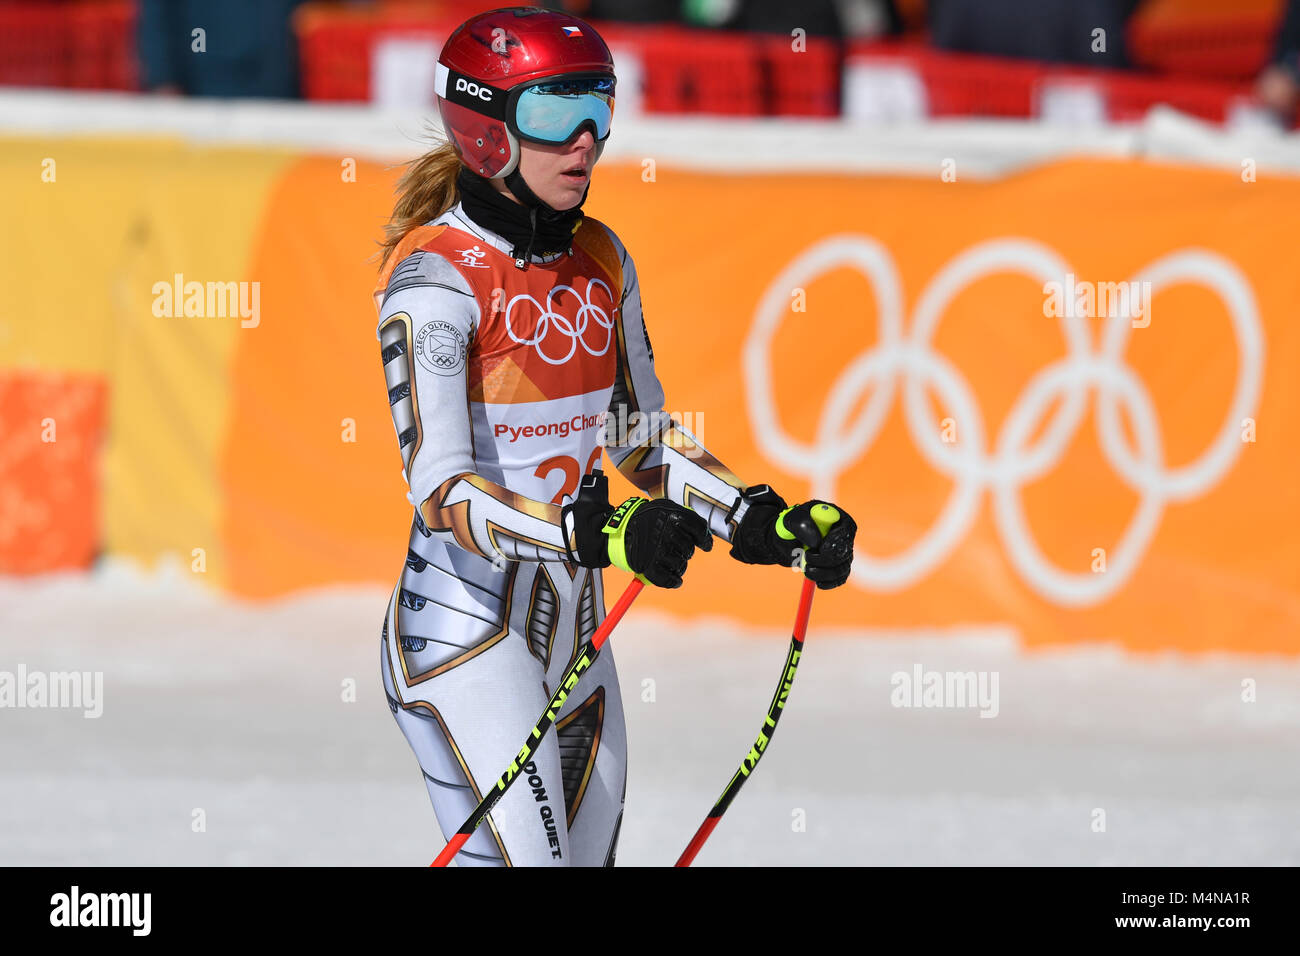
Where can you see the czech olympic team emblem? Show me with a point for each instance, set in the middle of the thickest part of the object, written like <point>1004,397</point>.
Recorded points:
<point>440,347</point>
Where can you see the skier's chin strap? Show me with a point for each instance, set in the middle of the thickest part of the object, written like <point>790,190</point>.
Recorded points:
<point>531,225</point>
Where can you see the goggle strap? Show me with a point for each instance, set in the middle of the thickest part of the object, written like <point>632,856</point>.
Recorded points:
<point>465,91</point>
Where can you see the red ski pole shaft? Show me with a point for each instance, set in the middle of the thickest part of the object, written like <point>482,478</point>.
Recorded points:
<point>765,735</point>
<point>582,660</point>
<point>825,516</point>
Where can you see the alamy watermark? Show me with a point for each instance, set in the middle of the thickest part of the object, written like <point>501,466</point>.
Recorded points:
<point>211,300</point>
<point>1085,300</point>
<point>63,690</point>
<point>128,910</point>
<point>946,689</point>
<point>680,431</point>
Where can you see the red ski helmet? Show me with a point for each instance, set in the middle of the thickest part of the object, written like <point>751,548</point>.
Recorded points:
<point>522,73</point>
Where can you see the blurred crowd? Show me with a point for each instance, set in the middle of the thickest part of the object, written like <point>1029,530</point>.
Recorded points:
<point>252,49</point>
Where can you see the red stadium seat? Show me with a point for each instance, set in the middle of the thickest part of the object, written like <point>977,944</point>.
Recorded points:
<point>1232,44</point>
<point>87,45</point>
<point>804,82</point>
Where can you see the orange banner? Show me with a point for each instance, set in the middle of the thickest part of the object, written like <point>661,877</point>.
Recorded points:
<point>1063,400</point>
<point>51,434</point>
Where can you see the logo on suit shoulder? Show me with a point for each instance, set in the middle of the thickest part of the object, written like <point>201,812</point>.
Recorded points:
<point>440,347</point>
<point>472,257</point>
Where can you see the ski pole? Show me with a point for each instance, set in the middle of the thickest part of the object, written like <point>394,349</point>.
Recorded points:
<point>824,516</point>
<point>581,661</point>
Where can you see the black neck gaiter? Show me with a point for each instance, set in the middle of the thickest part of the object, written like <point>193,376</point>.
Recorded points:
<point>533,230</point>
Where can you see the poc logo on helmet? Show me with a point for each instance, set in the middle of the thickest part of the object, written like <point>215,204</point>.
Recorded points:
<point>473,89</point>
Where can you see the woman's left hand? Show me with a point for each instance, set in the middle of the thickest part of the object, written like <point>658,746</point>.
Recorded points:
<point>825,559</point>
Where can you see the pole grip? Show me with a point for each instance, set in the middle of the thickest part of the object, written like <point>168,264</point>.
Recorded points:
<point>825,516</point>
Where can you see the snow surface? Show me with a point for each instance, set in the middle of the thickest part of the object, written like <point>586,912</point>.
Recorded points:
<point>238,709</point>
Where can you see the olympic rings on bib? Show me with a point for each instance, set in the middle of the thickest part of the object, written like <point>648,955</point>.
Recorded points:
<point>575,328</point>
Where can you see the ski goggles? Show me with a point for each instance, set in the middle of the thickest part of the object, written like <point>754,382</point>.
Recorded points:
<point>550,110</point>
<point>555,110</point>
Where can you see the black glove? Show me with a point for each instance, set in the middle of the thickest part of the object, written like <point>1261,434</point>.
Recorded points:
<point>827,560</point>
<point>653,539</point>
<point>583,519</point>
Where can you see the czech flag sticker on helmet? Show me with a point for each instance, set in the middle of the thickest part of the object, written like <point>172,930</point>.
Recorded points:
<point>571,31</point>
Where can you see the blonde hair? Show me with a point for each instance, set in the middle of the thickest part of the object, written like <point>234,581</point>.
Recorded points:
<point>426,190</point>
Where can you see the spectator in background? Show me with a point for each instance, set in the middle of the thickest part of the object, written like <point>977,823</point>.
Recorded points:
<point>828,18</point>
<point>247,47</point>
<point>1058,31</point>
<point>816,17</point>
<point>629,11</point>
<point>1278,87</point>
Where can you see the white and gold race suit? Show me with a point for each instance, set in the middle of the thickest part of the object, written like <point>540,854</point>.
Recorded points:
<point>504,384</point>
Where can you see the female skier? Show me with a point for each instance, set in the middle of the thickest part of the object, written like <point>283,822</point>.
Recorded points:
<point>514,350</point>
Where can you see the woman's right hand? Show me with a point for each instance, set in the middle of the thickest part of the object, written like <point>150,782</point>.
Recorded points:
<point>651,538</point>
<point>655,538</point>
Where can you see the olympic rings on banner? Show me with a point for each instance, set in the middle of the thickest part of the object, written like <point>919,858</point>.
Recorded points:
<point>1004,466</point>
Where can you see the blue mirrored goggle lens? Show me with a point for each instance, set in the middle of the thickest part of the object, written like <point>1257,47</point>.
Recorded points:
<point>552,112</point>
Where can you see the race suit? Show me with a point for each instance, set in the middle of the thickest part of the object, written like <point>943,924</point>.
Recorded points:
<point>504,384</point>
